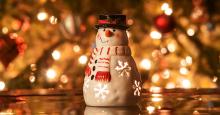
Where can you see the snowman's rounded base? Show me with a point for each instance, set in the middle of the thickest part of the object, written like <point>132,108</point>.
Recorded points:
<point>112,101</point>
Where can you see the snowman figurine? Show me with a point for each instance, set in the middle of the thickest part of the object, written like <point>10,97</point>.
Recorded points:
<point>111,77</point>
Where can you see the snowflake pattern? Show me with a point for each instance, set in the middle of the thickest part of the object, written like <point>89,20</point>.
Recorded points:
<point>137,88</point>
<point>123,68</point>
<point>86,84</point>
<point>101,91</point>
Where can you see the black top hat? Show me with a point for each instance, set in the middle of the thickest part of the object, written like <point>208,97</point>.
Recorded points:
<point>115,21</point>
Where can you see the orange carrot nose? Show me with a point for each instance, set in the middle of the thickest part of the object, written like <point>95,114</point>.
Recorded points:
<point>108,33</point>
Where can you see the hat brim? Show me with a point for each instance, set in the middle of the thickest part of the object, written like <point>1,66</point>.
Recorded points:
<point>123,27</point>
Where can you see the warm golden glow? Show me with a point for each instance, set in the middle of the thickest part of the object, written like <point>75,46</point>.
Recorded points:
<point>171,47</point>
<point>170,85</point>
<point>166,74</point>
<point>150,109</point>
<point>41,16</point>
<point>189,60</point>
<point>56,55</point>
<point>190,32</point>
<point>2,85</point>
<point>83,59</point>
<point>76,48</point>
<point>4,30</point>
<point>51,74</point>
<point>145,64</point>
<point>164,6</point>
<point>53,20</point>
<point>32,78</point>
<point>64,79</point>
<point>168,11</point>
<point>184,71</point>
<point>155,35</point>
<point>185,83</point>
<point>155,89</point>
<point>156,99</point>
<point>155,78</point>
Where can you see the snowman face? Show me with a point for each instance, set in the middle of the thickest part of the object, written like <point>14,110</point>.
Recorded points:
<point>111,37</point>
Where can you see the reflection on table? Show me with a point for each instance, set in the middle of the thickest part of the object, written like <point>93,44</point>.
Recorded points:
<point>65,102</point>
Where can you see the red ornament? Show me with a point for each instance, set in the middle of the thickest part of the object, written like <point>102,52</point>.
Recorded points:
<point>164,23</point>
<point>10,47</point>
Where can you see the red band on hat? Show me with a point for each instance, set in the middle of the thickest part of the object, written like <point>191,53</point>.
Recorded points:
<point>107,22</point>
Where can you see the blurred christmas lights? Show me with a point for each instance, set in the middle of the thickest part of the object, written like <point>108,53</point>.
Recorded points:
<point>83,59</point>
<point>167,10</point>
<point>170,85</point>
<point>4,30</point>
<point>76,48</point>
<point>145,64</point>
<point>189,60</point>
<point>171,47</point>
<point>155,35</point>
<point>185,83</point>
<point>2,85</point>
<point>56,55</point>
<point>51,74</point>
<point>155,89</point>
<point>32,78</point>
<point>64,79</point>
<point>184,71</point>
<point>53,20</point>
<point>166,74</point>
<point>150,109</point>
<point>163,50</point>
<point>215,79</point>
<point>155,78</point>
<point>42,15</point>
<point>190,32</point>
<point>156,99</point>
<point>164,6</point>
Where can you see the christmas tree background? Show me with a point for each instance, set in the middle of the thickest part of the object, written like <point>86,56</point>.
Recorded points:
<point>46,43</point>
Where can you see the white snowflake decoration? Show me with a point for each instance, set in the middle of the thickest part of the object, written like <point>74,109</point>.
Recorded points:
<point>101,91</point>
<point>86,84</point>
<point>123,68</point>
<point>137,88</point>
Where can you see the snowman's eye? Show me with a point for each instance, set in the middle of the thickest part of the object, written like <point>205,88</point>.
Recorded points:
<point>113,30</point>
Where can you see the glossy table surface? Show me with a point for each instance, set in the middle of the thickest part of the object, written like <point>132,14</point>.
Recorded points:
<point>69,102</point>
